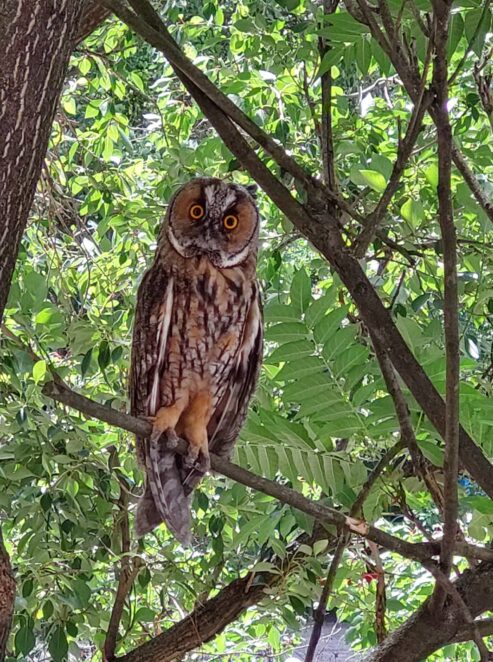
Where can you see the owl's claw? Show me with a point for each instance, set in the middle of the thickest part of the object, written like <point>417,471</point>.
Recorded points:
<point>167,437</point>
<point>197,458</point>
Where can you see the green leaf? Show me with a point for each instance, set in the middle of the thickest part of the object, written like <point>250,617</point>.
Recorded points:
<point>476,24</point>
<point>329,324</point>
<point>280,312</point>
<point>301,291</point>
<point>363,55</point>
<point>286,332</point>
<point>412,212</point>
<point>145,614</point>
<point>300,368</point>
<point>104,355</point>
<point>375,180</point>
<point>431,451</point>
<point>24,640</point>
<point>58,645</point>
<point>317,308</point>
<point>39,371</point>
<point>330,58</point>
<point>455,33</point>
<point>290,351</point>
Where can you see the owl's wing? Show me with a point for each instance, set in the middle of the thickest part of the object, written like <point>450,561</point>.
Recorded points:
<point>230,413</point>
<point>150,334</point>
<point>164,497</point>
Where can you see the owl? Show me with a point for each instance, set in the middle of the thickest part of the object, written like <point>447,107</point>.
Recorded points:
<point>197,344</point>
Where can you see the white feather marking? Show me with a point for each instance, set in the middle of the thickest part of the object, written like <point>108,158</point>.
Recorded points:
<point>162,334</point>
<point>234,260</point>
<point>174,242</point>
<point>210,194</point>
<point>229,199</point>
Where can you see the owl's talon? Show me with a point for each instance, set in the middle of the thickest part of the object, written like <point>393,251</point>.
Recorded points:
<point>197,459</point>
<point>167,437</point>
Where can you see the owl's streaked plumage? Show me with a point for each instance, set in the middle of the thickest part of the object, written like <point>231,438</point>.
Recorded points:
<point>197,343</point>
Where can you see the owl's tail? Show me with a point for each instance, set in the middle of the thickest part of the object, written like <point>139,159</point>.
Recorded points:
<point>164,499</point>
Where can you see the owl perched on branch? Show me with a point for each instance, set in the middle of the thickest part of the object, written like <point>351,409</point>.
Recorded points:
<point>197,343</point>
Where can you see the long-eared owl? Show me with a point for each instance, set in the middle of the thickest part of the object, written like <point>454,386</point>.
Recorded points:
<point>197,343</point>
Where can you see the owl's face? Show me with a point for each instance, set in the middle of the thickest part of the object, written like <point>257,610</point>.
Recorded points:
<point>213,218</point>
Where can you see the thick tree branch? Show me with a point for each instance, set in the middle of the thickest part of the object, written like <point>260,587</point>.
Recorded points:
<point>426,632</point>
<point>7,597</point>
<point>447,587</point>
<point>451,301</point>
<point>93,14</point>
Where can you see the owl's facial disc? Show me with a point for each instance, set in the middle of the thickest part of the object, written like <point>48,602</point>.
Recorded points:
<point>216,219</point>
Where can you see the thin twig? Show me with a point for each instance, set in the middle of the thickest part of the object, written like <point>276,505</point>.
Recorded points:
<point>404,152</point>
<point>326,137</point>
<point>405,425</point>
<point>129,566</point>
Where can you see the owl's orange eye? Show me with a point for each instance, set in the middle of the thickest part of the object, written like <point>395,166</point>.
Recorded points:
<point>196,212</point>
<point>230,222</point>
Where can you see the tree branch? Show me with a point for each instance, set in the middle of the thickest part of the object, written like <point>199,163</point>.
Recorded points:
<point>451,301</point>
<point>129,566</point>
<point>425,632</point>
<point>7,597</point>
<point>447,587</point>
<point>319,612</point>
<point>326,137</point>
<point>323,514</point>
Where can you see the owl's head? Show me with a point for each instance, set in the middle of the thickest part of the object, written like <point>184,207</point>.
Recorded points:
<point>210,217</point>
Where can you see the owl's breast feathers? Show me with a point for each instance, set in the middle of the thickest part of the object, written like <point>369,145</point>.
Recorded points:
<point>206,329</point>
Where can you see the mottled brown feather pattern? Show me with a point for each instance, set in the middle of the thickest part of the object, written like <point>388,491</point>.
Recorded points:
<point>197,344</point>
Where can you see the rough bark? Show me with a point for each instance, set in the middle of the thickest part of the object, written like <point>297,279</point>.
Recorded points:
<point>37,39</point>
<point>93,14</point>
<point>204,623</point>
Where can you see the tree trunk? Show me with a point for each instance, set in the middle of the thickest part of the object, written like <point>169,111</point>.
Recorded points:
<point>7,595</point>
<point>35,48</point>
<point>37,39</point>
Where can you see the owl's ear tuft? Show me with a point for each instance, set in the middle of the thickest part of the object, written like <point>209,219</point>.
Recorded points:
<point>252,189</point>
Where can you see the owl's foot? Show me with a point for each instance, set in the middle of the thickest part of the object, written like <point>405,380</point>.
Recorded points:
<point>159,436</point>
<point>198,458</point>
